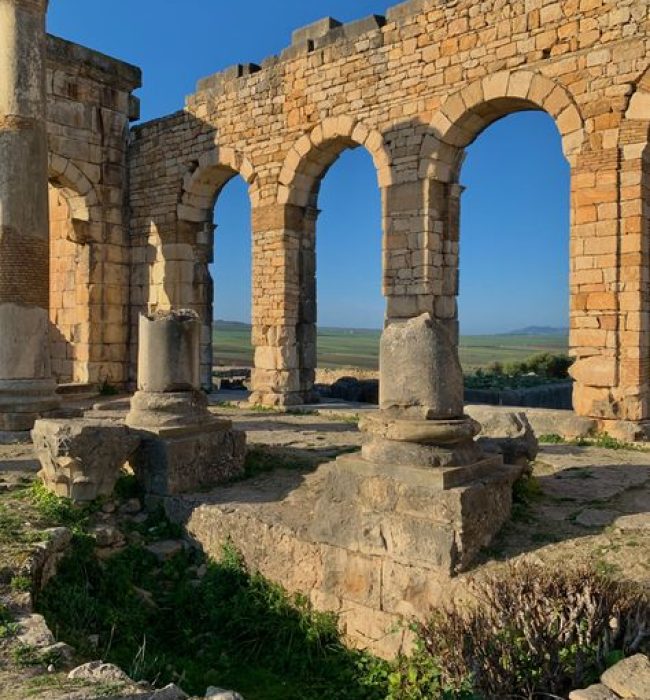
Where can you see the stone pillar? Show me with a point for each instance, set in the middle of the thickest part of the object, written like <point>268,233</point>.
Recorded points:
<point>184,447</point>
<point>277,235</point>
<point>27,389</point>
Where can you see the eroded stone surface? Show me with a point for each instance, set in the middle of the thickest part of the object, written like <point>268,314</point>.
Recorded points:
<point>420,373</point>
<point>629,678</point>
<point>81,458</point>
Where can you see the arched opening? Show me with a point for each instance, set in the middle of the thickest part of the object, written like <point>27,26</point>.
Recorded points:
<point>350,303</point>
<point>232,280</point>
<point>514,242</point>
<point>70,292</point>
<point>217,247</point>
<point>303,174</point>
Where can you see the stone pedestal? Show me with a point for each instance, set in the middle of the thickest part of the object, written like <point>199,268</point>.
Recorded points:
<point>26,385</point>
<point>422,492</point>
<point>184,447</point>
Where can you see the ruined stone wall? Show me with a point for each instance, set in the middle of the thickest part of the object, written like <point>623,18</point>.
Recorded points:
<point>414,89</point>
<point>89,106</point>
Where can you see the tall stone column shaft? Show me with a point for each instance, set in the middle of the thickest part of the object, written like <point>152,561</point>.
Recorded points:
<point>26,386</point>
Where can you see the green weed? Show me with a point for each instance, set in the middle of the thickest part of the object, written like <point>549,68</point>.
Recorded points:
<point>232,627</point>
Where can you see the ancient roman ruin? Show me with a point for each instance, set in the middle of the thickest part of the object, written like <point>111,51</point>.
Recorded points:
<point>116,288</point>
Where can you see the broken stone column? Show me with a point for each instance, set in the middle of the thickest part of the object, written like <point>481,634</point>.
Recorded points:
<point>27,389</point>
<point>422,491</point>
<point>184,447</point>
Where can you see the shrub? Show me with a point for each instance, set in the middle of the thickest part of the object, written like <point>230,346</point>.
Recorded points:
<point>533,630</point>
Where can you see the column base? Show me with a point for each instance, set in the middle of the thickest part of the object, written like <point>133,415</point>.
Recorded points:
<point>24,401</point>
<point>436,518</point>
<point>184,447</point>
<point>273,400</point>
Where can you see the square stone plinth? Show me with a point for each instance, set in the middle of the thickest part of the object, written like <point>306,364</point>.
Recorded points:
<point>188,459</point>
<point>438,517</point>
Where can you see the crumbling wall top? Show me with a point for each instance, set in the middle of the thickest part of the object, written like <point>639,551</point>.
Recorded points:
<point>99,66</point>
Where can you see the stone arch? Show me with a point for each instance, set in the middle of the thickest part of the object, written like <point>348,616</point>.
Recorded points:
<point>80,191</point>
<point>201,186</point>
<point>181,268</point>
<point>639,105</point>
<point>313,154</point>
<point>469,111</point>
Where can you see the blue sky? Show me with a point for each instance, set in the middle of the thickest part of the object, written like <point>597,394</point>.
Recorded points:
<point>515,210</point>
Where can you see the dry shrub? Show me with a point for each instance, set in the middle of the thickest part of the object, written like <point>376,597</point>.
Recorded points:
<point>534,632</point>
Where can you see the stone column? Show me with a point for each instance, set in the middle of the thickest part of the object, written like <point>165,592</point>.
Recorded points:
<point>184,447</point>
<point>27,389</point>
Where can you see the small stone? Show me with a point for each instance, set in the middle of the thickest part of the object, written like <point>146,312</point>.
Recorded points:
<point>166,549</point>
<point>593,692</point>
<point>638,521</point>
<point>630,678</point>
<point>594,517</point>
<point>131,506</point>
<point>109,507</point>
<point>201,571</point>
<point>220,694</point>
<point>51,668</point>
<point>107,536</point>
<point>98,670</point>
<point>169,692</point>
<point>60,650</point>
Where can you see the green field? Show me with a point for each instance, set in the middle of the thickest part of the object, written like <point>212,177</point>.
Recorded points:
<point>341,347</point>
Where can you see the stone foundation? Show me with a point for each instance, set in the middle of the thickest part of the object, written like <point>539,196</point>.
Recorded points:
<point>390,558</point>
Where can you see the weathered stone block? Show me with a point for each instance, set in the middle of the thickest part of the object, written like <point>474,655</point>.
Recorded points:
<point>81,458</point>
<point>179,460</point>
<point>407,515</point>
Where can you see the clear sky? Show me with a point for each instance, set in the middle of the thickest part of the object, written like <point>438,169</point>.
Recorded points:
<point>515,210</point>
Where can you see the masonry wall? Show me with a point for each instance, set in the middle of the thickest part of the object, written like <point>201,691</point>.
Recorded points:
<point>414,89</point>
<point>89,106</point>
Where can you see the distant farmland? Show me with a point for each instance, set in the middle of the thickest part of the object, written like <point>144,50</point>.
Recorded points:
<point>345,347</point>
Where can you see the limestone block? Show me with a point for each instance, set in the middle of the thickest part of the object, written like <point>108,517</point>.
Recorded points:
<point>594,692</point>
<point>186,460</point>
<point>639,106</point>
<point>420,369</point>
<point>509,434</point>
<point>598,370</point>
<point>629,678</point>
<point>81,458</point>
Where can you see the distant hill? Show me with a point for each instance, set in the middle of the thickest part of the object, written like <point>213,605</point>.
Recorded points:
<point>220,325</point>
<point>538,330</point>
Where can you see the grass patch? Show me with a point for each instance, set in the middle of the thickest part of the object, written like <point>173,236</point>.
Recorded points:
<point>261,460</point>
<point>525,492</point>
<point>231,628</point>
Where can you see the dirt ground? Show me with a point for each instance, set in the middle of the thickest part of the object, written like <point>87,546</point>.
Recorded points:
<point>587,504</point>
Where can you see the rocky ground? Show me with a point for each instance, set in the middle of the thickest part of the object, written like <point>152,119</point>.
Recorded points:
<point>586,503</point>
